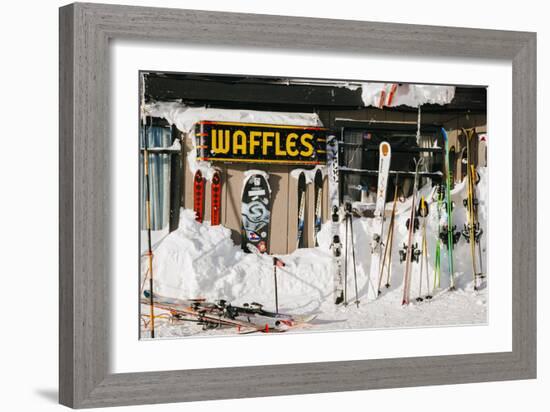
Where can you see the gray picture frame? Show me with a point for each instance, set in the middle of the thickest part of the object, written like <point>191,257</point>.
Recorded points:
<point>85,32</point>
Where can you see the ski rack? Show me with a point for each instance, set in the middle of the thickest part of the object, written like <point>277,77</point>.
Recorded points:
<point>162,150</point>
<point>380,126</point>
<point>432,175</point>
<point>375,125</point>
<point>367,148</point>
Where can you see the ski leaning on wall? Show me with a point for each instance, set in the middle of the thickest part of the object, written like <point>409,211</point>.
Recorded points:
<point>216,198</point>
<point>410,250</point>
<point>318,203</point>
<point>301,210</point>
<point>437,262</point>
<point>198,196</point>
<point>349,244</point>
<point>333,172</point>
<point>448,230</point>
<point>376,242</point>
<point>386,258</point>
<point>336,247</point>
<point>472,230</point>
<point>255,212</point>
<point>423,216</point>
<point>334,202</point>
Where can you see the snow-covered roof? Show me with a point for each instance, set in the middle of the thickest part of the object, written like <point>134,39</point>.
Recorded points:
<point>184,117</point>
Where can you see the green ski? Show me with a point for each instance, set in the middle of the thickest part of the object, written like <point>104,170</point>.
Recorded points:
<point>450,237</point>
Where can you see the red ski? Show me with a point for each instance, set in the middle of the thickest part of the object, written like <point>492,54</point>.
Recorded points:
<point>391,94</point>
<point>198,196</point>
<point>216,198</point>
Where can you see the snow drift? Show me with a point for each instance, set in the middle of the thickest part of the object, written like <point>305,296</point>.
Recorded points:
<point>200,260</point>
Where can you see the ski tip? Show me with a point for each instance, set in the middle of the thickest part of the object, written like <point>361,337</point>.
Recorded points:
<point>385,148</point>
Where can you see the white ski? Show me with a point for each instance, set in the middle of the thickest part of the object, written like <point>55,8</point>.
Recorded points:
<point>334,202</point>
<point>377,227</point>
<point>336,247</point>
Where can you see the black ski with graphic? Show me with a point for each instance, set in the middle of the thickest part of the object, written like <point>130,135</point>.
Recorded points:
<point>318,200</point>
<point>301,209</point>
<point>255,213</point>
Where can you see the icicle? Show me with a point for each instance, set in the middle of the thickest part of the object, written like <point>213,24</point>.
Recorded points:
<point>418,122</point>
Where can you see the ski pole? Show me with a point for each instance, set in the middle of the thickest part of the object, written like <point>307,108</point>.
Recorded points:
<point>280,263</point>
<point>408,256</point>
<point>353,257</point>
<point>425,257</point>
<point>388,244</point>
<point>479,254</point>
<point>437,266</point>
<point>390,248</point>
<point>275,280</point>
<point>148,218</point>
<point>346,259</point>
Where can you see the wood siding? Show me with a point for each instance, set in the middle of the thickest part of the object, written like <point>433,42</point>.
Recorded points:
<point>284,212</point>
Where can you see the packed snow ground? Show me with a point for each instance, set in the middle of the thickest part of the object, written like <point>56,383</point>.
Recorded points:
<point>199,260</point>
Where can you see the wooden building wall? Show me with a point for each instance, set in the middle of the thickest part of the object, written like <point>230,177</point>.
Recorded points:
<point>282,236</point>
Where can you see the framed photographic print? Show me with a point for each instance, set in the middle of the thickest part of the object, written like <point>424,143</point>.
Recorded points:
<point>334,203</point>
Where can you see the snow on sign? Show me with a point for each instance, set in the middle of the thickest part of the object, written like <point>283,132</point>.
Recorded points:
<point>251,142</point>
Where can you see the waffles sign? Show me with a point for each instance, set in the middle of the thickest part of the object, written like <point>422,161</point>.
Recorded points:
<point>260,143</point>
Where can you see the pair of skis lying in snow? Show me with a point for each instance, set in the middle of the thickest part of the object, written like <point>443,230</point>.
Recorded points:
<point>248,318</point>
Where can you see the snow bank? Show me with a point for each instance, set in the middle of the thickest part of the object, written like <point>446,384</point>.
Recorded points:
<point>412,95</point>
<point>185,117</point>
<point>199,260</point>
